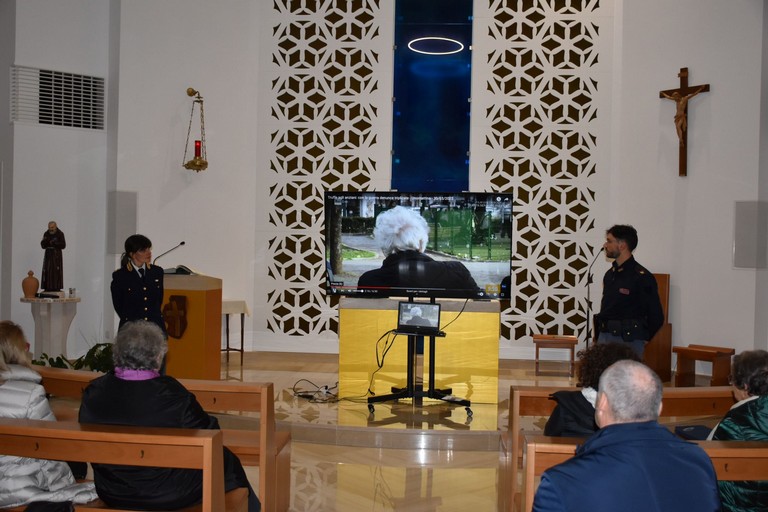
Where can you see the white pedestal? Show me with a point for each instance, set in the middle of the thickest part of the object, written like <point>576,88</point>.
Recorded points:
<point>52,320</point>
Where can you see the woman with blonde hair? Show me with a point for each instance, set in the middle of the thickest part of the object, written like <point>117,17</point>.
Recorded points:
<point>25,480</point>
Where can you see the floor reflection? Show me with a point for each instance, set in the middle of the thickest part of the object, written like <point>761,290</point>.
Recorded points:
<point>404,457</point>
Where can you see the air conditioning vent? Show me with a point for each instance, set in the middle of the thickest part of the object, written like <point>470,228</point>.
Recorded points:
<point>56,98</point>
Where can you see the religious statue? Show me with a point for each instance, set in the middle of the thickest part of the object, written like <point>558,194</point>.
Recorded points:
<point>53,264</point>
<point>681,121</point>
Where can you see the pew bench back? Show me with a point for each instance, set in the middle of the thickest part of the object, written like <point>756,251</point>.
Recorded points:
<point>266,447</point>
<point>158,447</point>
<point>533,401</point>
<point>732,460</point>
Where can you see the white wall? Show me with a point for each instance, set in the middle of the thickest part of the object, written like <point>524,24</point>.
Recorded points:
<point>7,51</point>
<point>685,224</point>
<point>60,173</point>
<point>167,47</point>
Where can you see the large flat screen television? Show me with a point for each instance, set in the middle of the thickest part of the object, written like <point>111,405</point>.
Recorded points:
<point>470,234</point>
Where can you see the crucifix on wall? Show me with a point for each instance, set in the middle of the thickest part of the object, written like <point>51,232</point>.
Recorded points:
<point>681,96</point>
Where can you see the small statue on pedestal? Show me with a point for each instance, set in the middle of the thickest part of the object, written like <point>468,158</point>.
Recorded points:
<point>53,263</point>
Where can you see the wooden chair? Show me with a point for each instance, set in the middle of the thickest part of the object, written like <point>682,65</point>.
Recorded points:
<point>658,351</point>
<point>720,357</point>
<point>549,341</point>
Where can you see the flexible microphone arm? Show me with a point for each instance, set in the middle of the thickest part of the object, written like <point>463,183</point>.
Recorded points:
<point>589,300</point>
<point>172,249</point>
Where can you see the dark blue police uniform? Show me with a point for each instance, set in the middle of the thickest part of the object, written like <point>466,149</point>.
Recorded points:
<point>630,308</point>
<point>137,298</point>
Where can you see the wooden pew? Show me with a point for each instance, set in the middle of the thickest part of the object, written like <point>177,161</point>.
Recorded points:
<point>732,460</point>
<point>158,447</point>
<point>266,448</point>
<point>533,401</point>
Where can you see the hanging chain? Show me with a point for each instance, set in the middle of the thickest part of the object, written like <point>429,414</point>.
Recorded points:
<point>189,130</point>
<point>204,152</point>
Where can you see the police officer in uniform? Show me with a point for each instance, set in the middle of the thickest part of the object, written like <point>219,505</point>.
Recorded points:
<point>630,311</point>
<point>137,286</point>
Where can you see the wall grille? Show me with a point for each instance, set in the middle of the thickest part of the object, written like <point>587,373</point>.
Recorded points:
<point>56,98</point>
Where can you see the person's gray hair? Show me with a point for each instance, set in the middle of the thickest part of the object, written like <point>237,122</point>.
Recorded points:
<point>633,390</point>
<point>401,229</point>
<point>139,345</point>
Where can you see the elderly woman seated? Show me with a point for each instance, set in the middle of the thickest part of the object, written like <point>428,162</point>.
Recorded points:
<point>746,421</point>
<point>135,393</point>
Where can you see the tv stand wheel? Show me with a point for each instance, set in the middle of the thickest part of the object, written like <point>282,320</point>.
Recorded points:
<point>469,411</point>
<point>370,408</point>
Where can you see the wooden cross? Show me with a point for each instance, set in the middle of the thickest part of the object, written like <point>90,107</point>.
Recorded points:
<point>680,96</point>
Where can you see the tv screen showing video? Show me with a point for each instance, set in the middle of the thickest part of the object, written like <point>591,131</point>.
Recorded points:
<point>399,244</point>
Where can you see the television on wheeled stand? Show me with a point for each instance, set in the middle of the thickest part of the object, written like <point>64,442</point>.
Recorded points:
<point>471,230</point>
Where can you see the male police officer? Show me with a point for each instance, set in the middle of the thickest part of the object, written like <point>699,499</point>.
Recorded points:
<point>630,311</point>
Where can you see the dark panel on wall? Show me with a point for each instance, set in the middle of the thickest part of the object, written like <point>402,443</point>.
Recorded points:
<point>121,219</point>
<point>432,78</point>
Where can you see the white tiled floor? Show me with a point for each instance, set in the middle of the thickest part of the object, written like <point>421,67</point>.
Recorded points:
<point>403,458</point>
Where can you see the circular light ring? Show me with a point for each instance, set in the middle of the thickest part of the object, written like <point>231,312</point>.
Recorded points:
<point>425,42</point>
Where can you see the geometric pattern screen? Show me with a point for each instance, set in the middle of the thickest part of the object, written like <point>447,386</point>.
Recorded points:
<point>541,137</point>
<point>538,142</point>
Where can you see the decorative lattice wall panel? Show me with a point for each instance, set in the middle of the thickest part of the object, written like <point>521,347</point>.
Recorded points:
<point>533,115</point>
<point>539,104</point>
<point>326,105</point>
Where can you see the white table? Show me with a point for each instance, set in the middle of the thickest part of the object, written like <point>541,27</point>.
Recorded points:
<point>52,320</point>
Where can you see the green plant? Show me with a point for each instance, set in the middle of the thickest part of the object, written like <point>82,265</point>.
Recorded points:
<point>46,360</point>
<point>97,359</point>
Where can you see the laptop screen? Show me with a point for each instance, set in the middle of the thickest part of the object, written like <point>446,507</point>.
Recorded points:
<point>418,318</point>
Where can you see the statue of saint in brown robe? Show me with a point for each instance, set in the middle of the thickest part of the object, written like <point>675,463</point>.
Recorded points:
<point>53,264</point>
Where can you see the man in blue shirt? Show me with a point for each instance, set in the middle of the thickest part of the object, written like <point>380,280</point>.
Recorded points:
<point>632,464</point>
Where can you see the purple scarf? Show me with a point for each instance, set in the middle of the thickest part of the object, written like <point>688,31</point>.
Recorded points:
<point>131,374</point>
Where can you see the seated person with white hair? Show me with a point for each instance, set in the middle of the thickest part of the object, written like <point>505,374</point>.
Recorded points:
<point>402,235</point>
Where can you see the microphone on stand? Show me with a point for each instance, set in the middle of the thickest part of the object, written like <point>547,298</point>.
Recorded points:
<point>172,249</point>
<point>589,301</point>
<point>589,270</point>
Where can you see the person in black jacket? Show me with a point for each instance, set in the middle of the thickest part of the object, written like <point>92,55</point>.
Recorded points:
<point>574,414</point>
<point>630,310</point>
<point>402,235</point>
<point>137,286</point>
<point>135,393</point>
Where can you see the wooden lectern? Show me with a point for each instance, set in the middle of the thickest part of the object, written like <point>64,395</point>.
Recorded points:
<point>197,353</point>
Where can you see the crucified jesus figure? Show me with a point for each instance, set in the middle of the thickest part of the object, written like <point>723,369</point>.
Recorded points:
<point>681,118</point>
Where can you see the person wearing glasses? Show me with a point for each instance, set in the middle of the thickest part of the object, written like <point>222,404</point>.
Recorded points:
<point>746,421</point>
